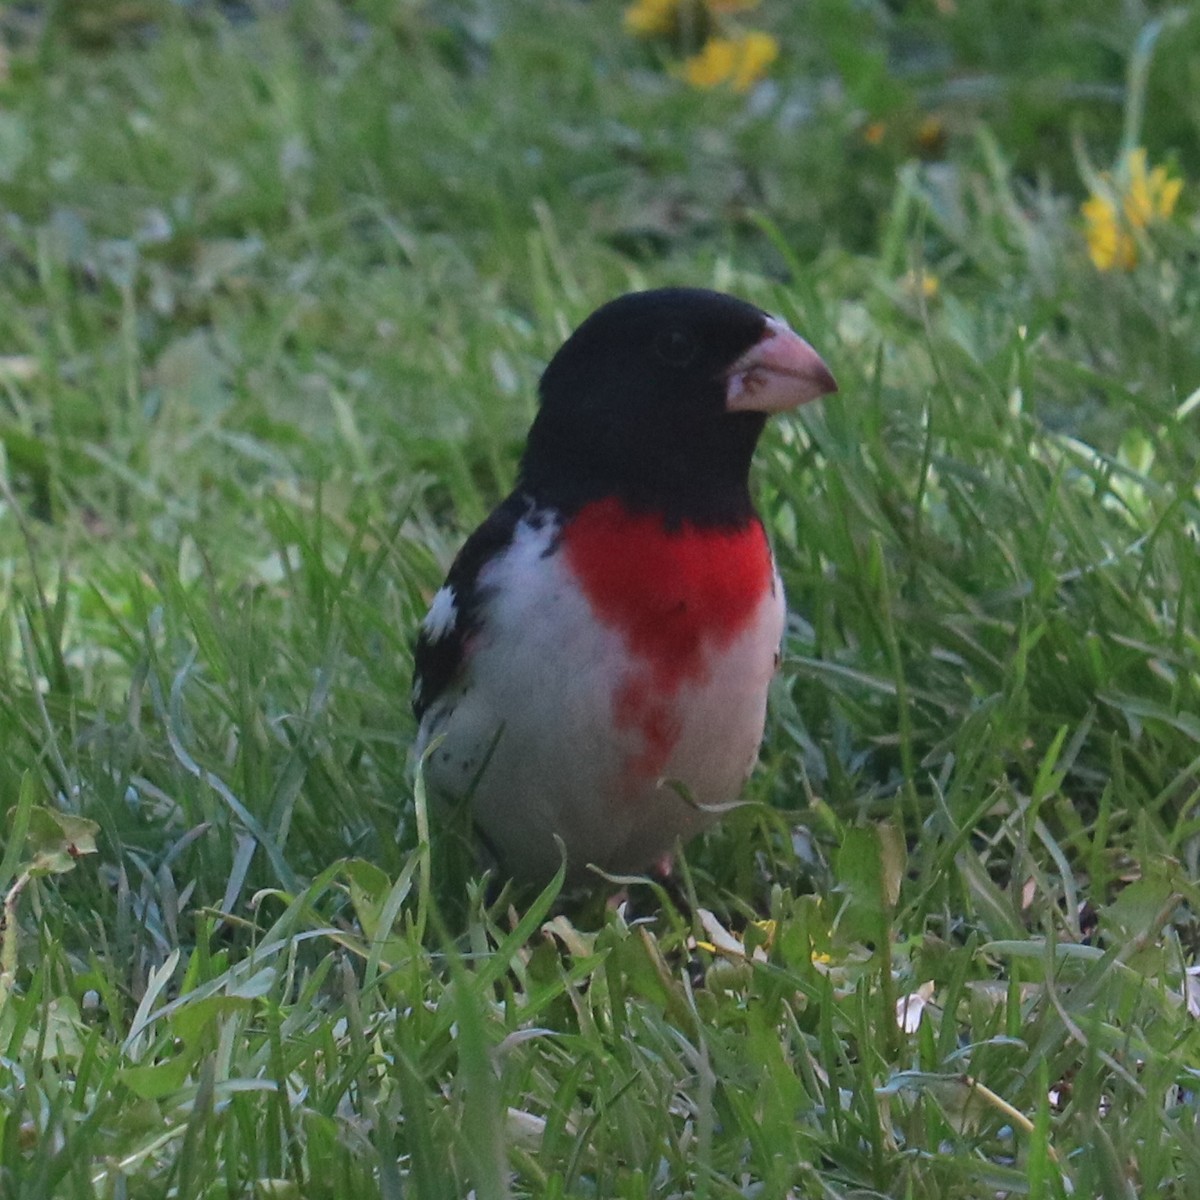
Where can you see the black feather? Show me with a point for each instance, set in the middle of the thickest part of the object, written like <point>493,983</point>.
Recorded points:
<point>438,661</point>
<point>633,405</point>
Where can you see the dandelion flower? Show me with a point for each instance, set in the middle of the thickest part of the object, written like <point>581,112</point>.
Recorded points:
<point>1150,195</point>
<point>1136,199</point>
<point>713,65</point>
<point>756,52</point>
<point>741,61</point>
<point>651,18</point>
<point>1110,247</point>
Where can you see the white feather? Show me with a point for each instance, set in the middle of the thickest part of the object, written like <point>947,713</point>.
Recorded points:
<point>442,615</point>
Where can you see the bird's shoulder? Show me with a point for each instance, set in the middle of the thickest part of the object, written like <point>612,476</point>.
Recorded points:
<point>455,613</point>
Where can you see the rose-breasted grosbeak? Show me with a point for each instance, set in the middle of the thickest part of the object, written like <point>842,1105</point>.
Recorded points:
<point>596,664</point>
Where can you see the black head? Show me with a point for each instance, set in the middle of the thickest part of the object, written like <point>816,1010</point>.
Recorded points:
<point>659,398</point>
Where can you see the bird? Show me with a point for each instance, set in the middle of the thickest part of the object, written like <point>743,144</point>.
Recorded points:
<point>591,678</point>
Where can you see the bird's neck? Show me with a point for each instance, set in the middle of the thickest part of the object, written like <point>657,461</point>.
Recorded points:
<point>701,478</point>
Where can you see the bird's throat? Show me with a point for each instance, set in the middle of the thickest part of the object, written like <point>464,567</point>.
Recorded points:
<point>694,475</point>
<point>674,593</point>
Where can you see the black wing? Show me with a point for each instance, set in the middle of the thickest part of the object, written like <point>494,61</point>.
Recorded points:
<point>438,653</point>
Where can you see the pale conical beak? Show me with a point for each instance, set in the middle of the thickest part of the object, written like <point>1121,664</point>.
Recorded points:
<point>779,372</point>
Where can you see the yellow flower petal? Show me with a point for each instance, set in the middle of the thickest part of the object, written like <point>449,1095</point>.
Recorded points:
<point>713,65</point>
<point>756,52</point>
<point>1139,206</point>
<point>1109,246</point>
<point>1168,195</point>
<point>1149,196</point>
<point>1139,198</point>
<point>741,61</point>
<point>651,18</point>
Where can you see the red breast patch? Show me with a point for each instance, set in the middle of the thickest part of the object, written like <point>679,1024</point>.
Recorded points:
<point>674,595</point>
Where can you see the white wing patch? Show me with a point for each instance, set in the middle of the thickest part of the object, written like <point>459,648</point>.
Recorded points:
<point>442,615</point>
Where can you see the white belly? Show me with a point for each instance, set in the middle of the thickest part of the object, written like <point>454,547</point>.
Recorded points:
<point>537,740</point>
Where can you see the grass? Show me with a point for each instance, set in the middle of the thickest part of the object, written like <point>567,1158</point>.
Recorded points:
<point>276,283</point>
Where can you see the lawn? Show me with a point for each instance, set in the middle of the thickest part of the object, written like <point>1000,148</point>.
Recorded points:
<point>277,280</point>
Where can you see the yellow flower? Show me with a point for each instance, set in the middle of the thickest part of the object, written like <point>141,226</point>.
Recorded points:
<point>740,61</point>
<point>1135,200</point>
<point>713,65</point>
<point>1109,246</point>
<point>758,51</point>
<point>1148,196</point>
<point>650,18</point>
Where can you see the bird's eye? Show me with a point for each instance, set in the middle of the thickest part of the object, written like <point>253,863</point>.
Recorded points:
<point>676,346</point>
